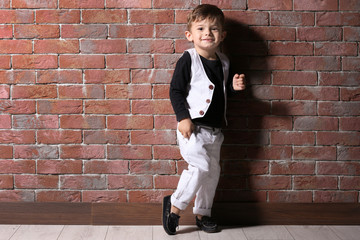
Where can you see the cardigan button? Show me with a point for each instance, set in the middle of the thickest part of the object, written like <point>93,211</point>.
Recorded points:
<point>211,87</point>
<point>208,101</point>
<point>201,112</point>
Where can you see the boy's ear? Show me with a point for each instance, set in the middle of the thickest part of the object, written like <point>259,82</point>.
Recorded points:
<point>224,33</point>
<point>188,35</point>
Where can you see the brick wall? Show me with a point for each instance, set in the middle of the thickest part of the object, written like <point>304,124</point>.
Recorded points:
<point>85,114</point>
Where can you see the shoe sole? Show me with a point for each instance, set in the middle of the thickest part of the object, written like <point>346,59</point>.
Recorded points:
<point>164,215</point>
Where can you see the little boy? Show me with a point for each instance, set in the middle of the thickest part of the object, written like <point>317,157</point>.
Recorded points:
<point>198,96</point>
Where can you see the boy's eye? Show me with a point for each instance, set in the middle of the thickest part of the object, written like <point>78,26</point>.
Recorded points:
<point>200,28</point>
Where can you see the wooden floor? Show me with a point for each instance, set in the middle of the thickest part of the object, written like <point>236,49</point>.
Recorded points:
<point>89,232</point>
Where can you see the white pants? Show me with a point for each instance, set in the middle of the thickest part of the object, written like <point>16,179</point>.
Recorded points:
<point>202,153</point>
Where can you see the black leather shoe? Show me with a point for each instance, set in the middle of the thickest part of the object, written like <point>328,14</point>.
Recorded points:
<point>170,221</point>
<point>207,224</point>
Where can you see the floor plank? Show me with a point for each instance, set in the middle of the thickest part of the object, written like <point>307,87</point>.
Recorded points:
<point>129,233</point>
<point>184,233</point>
<point>84,232</point>
<point>225,234</point>
<point>36,232</point>
<point>267,232</point>
<point>312,233</point>
<point>6,231</point>
<point>347,232</point>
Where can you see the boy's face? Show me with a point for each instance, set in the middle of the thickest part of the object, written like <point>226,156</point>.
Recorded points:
<point>206,35</point>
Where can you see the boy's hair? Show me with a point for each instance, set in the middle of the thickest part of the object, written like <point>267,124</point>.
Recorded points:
<point>204,11</point>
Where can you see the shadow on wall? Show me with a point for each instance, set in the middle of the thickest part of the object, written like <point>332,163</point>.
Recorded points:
<point>246,138</point>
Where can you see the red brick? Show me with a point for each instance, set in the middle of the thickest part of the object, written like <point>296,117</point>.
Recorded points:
<point>183,44</point>
<point>103,46</point>
<point>15,46</point>
<point>350,5</point>
<point>6,182</point>
<point>315,153</point>
<point>165,61</point>
<point>271,92</point>
<point>273,62</point>
<point>128,3</point>
<point>348,153</point>
<point>151,76</point>
<point>35,61</point>
<point>82,91</point>
<point>292,168</point>
<point>338,138</point>
<point>290,196</point>
<point>295,138</point>
<point>34,4</point>
<point>181,14</point>
<point>4,91</point>
<point>174,4</point>
<point>290,48</point>
<point>104,196</point>
<point>107,76</point>
<point>350,94</point>
<point>17,16</point>
<point>351,63</point>
<point>59,167</point>
<point>315,182</point>
<point>316,123</point>
<point>104,16</point>
<point>82,122</point>
<point>82,152</point>
<point>333,49</point>
<point>166,182</point>
<point>131,31</point>
<point>5,4</point>
<point>59,136</point>
<point>129,61</point>
<point>59,106</point>
<point>149,196</point>
<point>34,91</point>
<point>36,122</point>
<point>246,137</point>
<point>150,46</point>
<point>165,122</point>
<point>292,19</point>
<point>130,122</point>
<point>245,167</point>
<point>36,181</point>
<point>17,167</point>
<point>232,182</point>
<point>84,31</point>
<point>270,5</point>
<point>337,19</point>
<point>317,5</point>
<point>82,61</point>
<point>5,62</point>
<point>161,91</point>
<point>57,16</point>
<point>335,197</point>
<point>166,152</point>
<point>58,196</point>
<point>106,167</point>
<point>349,124</point>
<point>319,34</point>
<point>59,76</point>
<point>316,93</point>
<point>351,33</point>
<point>338,168</point>
<point>128,91</point>
<point>317,63</point>
<point>151,107</point>
<point>6,151</point>
<point>5,121</point>
<point>294,78</point>
<point>129,152</point>
<point>339,108</point>
<point>294,108</point>
<point>151,16</point>
<point>350,183</point>
<point>152,167</point>
<point>269,153</point>
<point>339,78</point>
<point>36,31</point>
<point>105,137</point>
<point>170,31</point>
<point>17,107</point>
<point>17,77</point>
<point>130,182</point>
<point>6,31</point>
<point>17,196</point>
<point>56,46</point>
<point>83,182</point>
<point>16,137</point>
<point>36,152</point>
<point>248,17</point>
<point>275,33</point>
<point>269,122</point>
<point>153,137</point>
<point>270,182</point>
<point>81,4</point>
<point>107,106</point>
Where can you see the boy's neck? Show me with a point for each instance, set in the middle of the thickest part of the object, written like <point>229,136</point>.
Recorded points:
<point>209,55</point>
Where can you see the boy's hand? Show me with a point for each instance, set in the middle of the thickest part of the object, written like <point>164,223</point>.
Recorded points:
<point>186,127</point>
<point>239,82</point>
